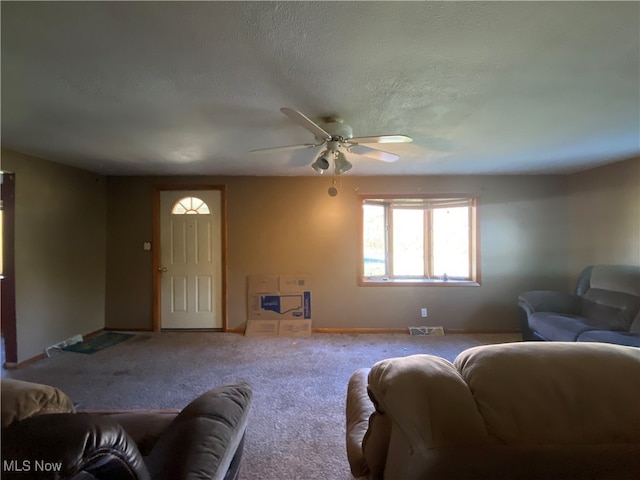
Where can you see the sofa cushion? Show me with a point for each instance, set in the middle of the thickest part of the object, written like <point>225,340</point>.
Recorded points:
<point>610,309</point>
<point>549,301</point>
<point>533,393</point>
<point>21,400</point>
<point>613,296</point>
<point>608,336</point>
<point>558,327</point>
<point>616,278</point>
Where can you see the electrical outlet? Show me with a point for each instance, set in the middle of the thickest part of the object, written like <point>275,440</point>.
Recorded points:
<point>423,312</point>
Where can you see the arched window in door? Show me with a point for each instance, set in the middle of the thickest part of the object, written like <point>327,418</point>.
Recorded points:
<point>190,206</point>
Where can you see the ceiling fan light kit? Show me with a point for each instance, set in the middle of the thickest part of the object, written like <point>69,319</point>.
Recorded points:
<point>341,164</point>
<point>337,135</point>
<point>322,162</point>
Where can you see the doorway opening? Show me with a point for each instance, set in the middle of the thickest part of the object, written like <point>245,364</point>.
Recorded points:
<point>7,268</point>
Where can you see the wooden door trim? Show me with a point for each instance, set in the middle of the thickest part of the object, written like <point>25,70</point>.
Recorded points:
<point>157,189</point>
<point>8,283</point>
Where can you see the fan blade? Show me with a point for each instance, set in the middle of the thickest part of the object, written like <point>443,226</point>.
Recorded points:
<point>382,139</point>
<point>287,147</point>
<point>304,122</point>
<point>373,153</point>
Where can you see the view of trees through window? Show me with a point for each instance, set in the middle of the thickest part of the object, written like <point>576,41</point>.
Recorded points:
<point>418,238</point>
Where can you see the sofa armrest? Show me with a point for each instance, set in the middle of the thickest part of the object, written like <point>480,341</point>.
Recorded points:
<point>204,438</point>
<point>22,400</point>
<point>427,401</point>
<point>359,409</point>
<point>549,301</point>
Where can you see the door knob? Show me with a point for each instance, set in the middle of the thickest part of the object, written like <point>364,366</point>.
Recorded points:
<point>162,269</point>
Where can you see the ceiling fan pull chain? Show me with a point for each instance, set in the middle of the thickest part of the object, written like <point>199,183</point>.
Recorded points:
<point>333,191</point>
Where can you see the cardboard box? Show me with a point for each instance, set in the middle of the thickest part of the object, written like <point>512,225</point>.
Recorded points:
<point>263,283</point>
<point>294,283</point>
<point>262,328</point>
<point>295,328</point>
<point>279,306</point>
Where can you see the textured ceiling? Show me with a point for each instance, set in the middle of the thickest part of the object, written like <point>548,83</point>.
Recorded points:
<point>190,88</point>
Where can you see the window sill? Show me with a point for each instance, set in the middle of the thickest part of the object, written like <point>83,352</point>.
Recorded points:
<point>416,282</point>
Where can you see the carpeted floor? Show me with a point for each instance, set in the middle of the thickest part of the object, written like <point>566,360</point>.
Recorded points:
<point>297,426</point>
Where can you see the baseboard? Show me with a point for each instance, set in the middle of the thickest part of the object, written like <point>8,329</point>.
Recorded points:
<point>471,331</point>
<point>235,330</point>
<point>119,329</point>
<point>94,333</point>
<point>14,365</point>
<point>359,330</point>
<point>40,356</point>
<point>386,330</point>
<point>337,330</point>
<point>241,331</point>
<point>405,330</point>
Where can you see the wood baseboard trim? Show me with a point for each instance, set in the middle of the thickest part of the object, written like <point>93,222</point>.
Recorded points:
<point>35,358</point>
<point>239,331</point>
<point>472,331</point>
<point>15,365</point>
<point>94,333</point>
<point>386,330</point>
<point>406,330</point>
<point>109,329</point>
<point>360,330</point>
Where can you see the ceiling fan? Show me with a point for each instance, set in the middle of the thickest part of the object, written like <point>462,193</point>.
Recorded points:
<point>335,135</point>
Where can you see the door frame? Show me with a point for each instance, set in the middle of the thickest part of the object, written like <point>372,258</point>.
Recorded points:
<point>156,245</point>
<point>8,282</point>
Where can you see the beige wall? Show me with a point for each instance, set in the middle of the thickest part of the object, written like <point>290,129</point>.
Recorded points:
<point>604,208</point>
<point>59,252</point>
<point>129,274</point>
<point>536,232</point>
<point>291,225</point>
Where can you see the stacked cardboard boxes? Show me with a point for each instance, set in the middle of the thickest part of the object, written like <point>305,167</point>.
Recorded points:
<point>278,306</point>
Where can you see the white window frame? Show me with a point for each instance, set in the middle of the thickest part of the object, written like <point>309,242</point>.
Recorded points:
<point>190,206</point>
<point>427,203</point>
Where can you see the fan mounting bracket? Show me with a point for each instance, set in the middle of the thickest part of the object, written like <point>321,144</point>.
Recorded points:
<point>338,130</point>
<point>332,119</point>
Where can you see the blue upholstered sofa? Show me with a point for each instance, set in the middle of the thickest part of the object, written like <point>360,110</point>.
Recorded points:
<point>605,307</point>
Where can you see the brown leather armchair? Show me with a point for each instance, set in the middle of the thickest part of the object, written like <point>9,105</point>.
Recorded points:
<point>204,440</point>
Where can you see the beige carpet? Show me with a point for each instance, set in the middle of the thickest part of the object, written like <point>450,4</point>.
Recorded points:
<point>297,427</point>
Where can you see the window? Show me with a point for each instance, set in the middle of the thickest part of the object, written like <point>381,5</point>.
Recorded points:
<point>420,239</point>
<point>190,206</point>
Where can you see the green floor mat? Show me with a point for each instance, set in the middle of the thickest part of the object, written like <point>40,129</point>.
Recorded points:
<point>99,342</point>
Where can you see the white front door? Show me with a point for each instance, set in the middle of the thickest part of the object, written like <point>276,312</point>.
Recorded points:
<point>191,259</point>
